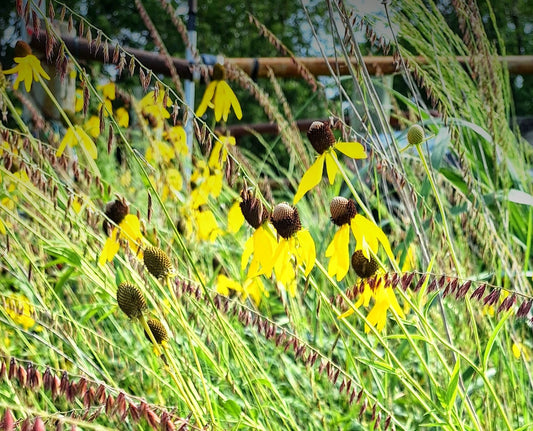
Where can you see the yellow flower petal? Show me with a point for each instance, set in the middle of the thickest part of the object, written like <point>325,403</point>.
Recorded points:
<point>306,250</point>
<point>87,142</point>
<point>311,178</point>
<point>235,218</point>
<point>331,166</point>
<point>206,99</point>
<point>123,117</point>
<point>339,253</point>
<point>353,150</point>
<point>367,232</point>
<point>110,249</point>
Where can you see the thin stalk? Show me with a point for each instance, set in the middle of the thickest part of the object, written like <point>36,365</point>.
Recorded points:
<point>185,326</point>
<point>181,386</point>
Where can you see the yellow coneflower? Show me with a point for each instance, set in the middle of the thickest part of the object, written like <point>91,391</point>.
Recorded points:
<point>28,67</point>
<point>219,96</point>
<point>323,141</point>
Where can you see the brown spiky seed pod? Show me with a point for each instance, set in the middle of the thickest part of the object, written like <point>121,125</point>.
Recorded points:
<point>130,300</point>
<point>219,72</point>
<point>22,49</point>
<point>320,136</point>
<point>342,210</point>
<point>253,209</point>
<point>286,220</point>
<point>115,211</point>
<point>158,331</point>
<point>415,134</point>
<point>364,267</point>
<point>157,262</point>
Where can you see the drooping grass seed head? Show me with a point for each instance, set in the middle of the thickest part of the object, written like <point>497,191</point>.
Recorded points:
<point>321,136</point>
<point>157,262</point>
<point>362,266</point>
<point>130,300</point>
<point>286,220</point>
<point>115,211</point>
<point>415,134</point>
<point>158,331</point>
<point>252,209</point>
<point>342,210</point>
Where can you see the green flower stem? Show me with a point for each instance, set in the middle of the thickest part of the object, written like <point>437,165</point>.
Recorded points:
<point>411,384</point>
<point>450,245</point>
<point>192,347</point>
<point>441,210</point>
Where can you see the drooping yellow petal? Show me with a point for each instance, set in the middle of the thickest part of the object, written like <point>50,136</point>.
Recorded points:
<point>264,245</point>
<point>311,178</point>
<point>208,228</point>
<point>87,142</point>
<point>235,218</point>
<point>331,165</point>
<point>254,288</point>
<point>215,160</point>
<point>232,100</point>
<point>367,232</point>
<point>353,150</point>
<point>110,249</point>
<point>339,254</point>
<point>378,314</point>
<point>247,252</point>
<point>206,99</point>
<point>306,250</point>
<point>224,285</point>
<point>92,126</point>
<point>69,139</point>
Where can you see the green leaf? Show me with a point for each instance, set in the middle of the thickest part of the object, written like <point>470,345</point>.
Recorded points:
<point>451,392</point>
<point>455,178</point>
<point>492,339</point>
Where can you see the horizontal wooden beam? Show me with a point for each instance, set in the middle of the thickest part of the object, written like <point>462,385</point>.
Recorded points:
<point>282,67</point>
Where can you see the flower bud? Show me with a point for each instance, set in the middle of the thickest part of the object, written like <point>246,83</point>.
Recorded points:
<point>130,300</point>
<point>415,135</point>
<point>157,262</point>
<point>158,331</point>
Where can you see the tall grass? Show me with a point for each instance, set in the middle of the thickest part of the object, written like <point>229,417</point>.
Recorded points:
<point>456,210</point>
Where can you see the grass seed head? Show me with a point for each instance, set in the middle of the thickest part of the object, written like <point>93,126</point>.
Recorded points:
<point>158,331</point>
<point>415,134</point>
<point>286,220</point>
<point>320,136</point>
<point>130,300</point>
<point>342,210</point>
<point>362,266</point>
<point>157,262</point>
